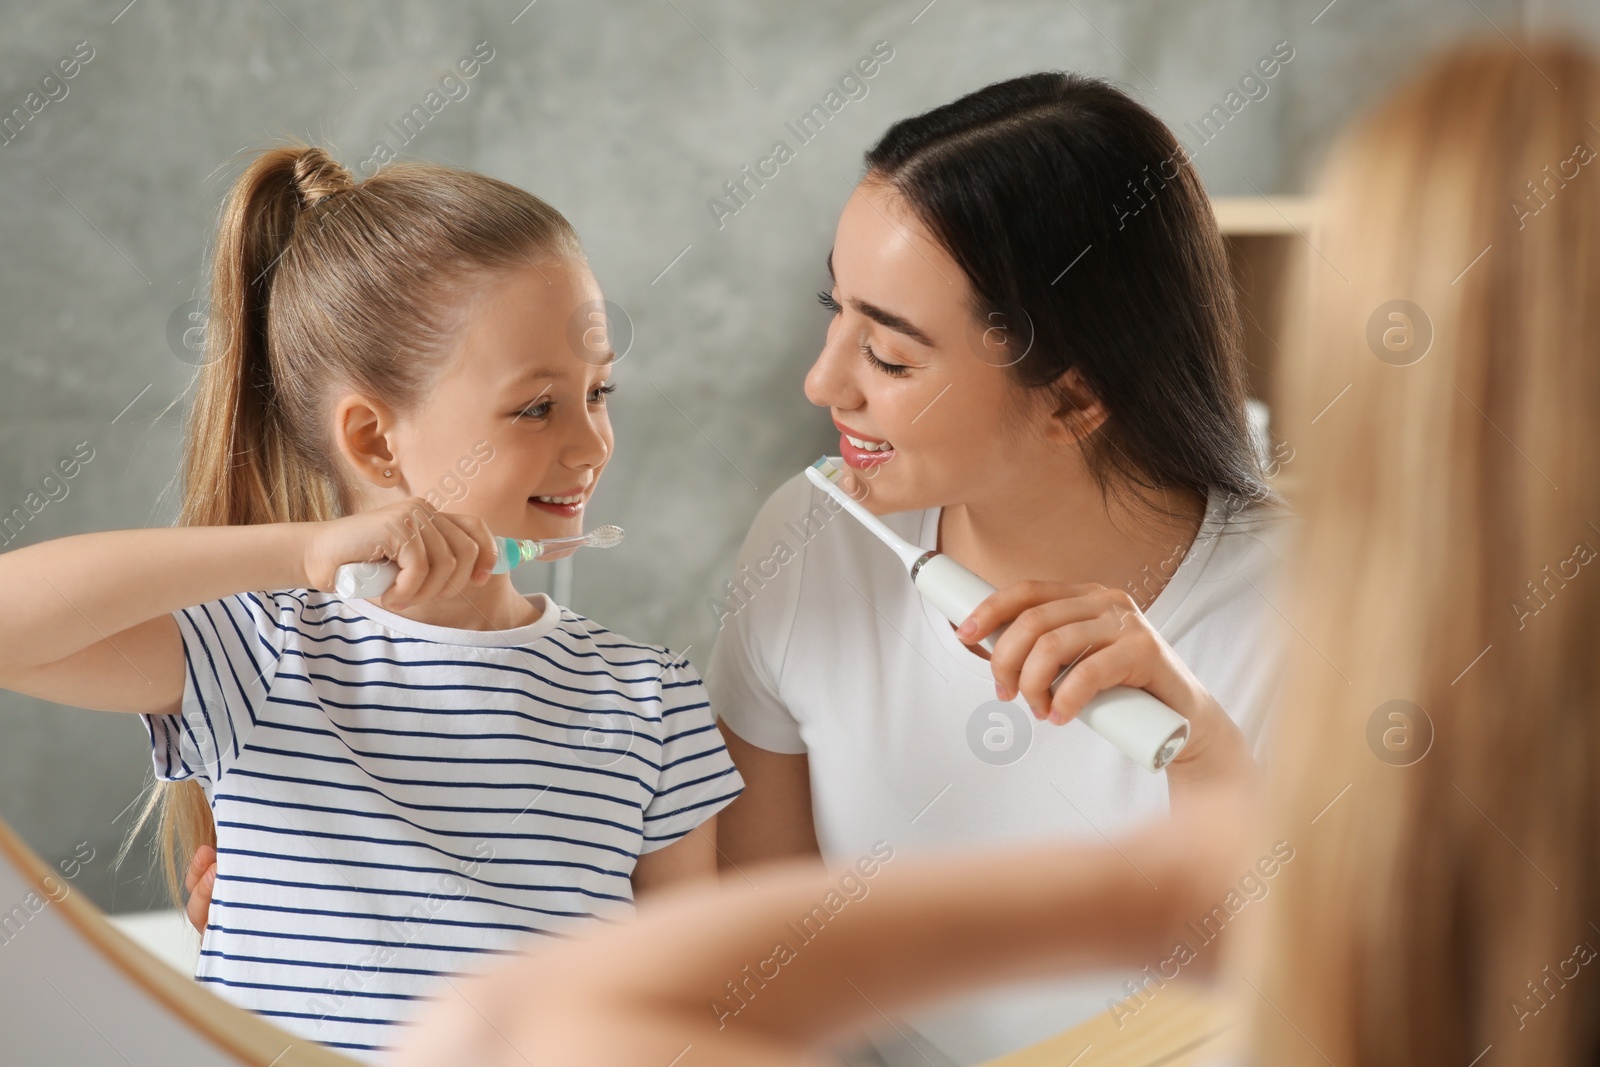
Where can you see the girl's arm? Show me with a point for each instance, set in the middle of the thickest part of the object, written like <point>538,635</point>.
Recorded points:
<point>88,618</point>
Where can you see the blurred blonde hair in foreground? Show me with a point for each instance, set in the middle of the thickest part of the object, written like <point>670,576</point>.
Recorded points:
<point>1444,899</point>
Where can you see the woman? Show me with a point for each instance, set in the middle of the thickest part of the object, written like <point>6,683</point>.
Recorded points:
<point>1035,366</point>
<point>1440,904</point>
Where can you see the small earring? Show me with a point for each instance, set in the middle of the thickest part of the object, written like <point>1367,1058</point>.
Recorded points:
<point>387,473</point>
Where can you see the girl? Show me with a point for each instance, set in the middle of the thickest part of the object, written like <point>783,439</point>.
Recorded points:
<point>1034,364</point>
<point>402,788</point>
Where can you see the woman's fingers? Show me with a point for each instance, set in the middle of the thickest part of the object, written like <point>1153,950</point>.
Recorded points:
<point>198,907</point>
<point>199,881</point>
<point>204,857</point>
<point>1058,649</point>
<point>1090,676</point>
<point>1030,625</point>
<point>1007,604</point>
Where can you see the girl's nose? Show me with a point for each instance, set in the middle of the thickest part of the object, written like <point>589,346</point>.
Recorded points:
<point>589,445</point>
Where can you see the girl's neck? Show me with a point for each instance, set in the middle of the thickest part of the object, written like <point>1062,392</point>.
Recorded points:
<point>495,605</point>
<point>1065,530</point>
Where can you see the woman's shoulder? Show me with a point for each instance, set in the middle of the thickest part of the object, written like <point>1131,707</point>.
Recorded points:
<point>1236,565</point>
<point>1238,558</point>
<point>1245,524</point>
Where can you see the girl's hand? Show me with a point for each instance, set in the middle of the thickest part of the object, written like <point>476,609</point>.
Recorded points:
<point>436,551</point>
<point>1104,640</point>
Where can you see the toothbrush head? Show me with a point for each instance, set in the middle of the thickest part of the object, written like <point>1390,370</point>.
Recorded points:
<point>828,469</point>
<point>605,536</point>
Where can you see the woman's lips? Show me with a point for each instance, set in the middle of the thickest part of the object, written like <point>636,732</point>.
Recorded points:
<point>860,458</point>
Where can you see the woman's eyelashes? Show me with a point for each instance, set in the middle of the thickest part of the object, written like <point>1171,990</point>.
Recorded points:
<point>541,410</point>
<point>894,370</point>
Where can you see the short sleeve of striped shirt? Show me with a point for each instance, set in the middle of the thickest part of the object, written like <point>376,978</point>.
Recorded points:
<point>698,777</point>
<point>231,650</point>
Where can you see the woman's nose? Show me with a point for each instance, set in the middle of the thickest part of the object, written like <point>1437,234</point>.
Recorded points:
<point>828,382</point>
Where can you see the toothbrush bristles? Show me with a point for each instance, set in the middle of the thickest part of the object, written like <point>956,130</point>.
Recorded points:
<point>827,469</point>
<point>605,536</point>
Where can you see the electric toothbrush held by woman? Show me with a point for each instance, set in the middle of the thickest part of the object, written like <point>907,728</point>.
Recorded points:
<point>370,579</point>
<point>1142,727</point>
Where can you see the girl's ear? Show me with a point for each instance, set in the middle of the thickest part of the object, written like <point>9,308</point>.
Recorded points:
<point>1078,412</point>
<point>362,432</point>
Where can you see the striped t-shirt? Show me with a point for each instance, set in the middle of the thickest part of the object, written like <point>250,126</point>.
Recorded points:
<point>399,803</point>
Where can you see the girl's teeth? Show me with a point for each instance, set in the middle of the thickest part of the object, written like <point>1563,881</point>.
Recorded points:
<point>558,499</point>
<point>868,446</point>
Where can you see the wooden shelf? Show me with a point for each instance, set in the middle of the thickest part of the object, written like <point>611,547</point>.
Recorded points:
<point>1262,233</point>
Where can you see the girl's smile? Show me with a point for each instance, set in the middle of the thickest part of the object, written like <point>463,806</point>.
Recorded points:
<point>568,504</point>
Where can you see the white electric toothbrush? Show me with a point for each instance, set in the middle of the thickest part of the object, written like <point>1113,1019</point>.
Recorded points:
<point>1146,730</point>
<point>370,580</point>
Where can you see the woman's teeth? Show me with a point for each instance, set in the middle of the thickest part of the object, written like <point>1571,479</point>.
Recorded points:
<point>870,446</point>
<point>559,499</point>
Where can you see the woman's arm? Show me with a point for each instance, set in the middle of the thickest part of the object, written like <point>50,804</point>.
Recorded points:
<point>761,976</point>
<point>88,618</point>
<point>771,819</point>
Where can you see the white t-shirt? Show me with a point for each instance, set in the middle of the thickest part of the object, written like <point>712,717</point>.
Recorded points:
<point>826,648</point>
<point>397,803</point>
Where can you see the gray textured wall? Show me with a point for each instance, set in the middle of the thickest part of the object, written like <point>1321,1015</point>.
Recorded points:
<point>628,117</point>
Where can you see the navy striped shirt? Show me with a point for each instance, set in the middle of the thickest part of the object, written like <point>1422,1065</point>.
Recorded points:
<point>399,803</point>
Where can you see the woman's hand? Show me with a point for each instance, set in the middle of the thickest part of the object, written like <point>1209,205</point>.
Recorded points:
<point>1103,640</point>
<point>435,550</point>
<point>198,881</point>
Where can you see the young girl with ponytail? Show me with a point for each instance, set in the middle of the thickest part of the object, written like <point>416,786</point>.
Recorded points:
<point>397,790</point>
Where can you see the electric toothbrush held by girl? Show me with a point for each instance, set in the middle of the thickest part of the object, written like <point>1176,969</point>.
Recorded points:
<point>370,579</point>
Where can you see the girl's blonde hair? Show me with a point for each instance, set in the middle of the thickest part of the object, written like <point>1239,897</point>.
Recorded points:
<point>1442,892</point>
<point>321,283</point>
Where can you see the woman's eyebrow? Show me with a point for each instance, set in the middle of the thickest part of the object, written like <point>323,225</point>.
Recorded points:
<point>883,317</point>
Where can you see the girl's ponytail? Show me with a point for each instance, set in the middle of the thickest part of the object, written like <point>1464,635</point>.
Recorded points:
<point>239,465</point>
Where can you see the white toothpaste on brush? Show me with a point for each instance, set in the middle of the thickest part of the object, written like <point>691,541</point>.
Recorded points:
<point>1144,729</point>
